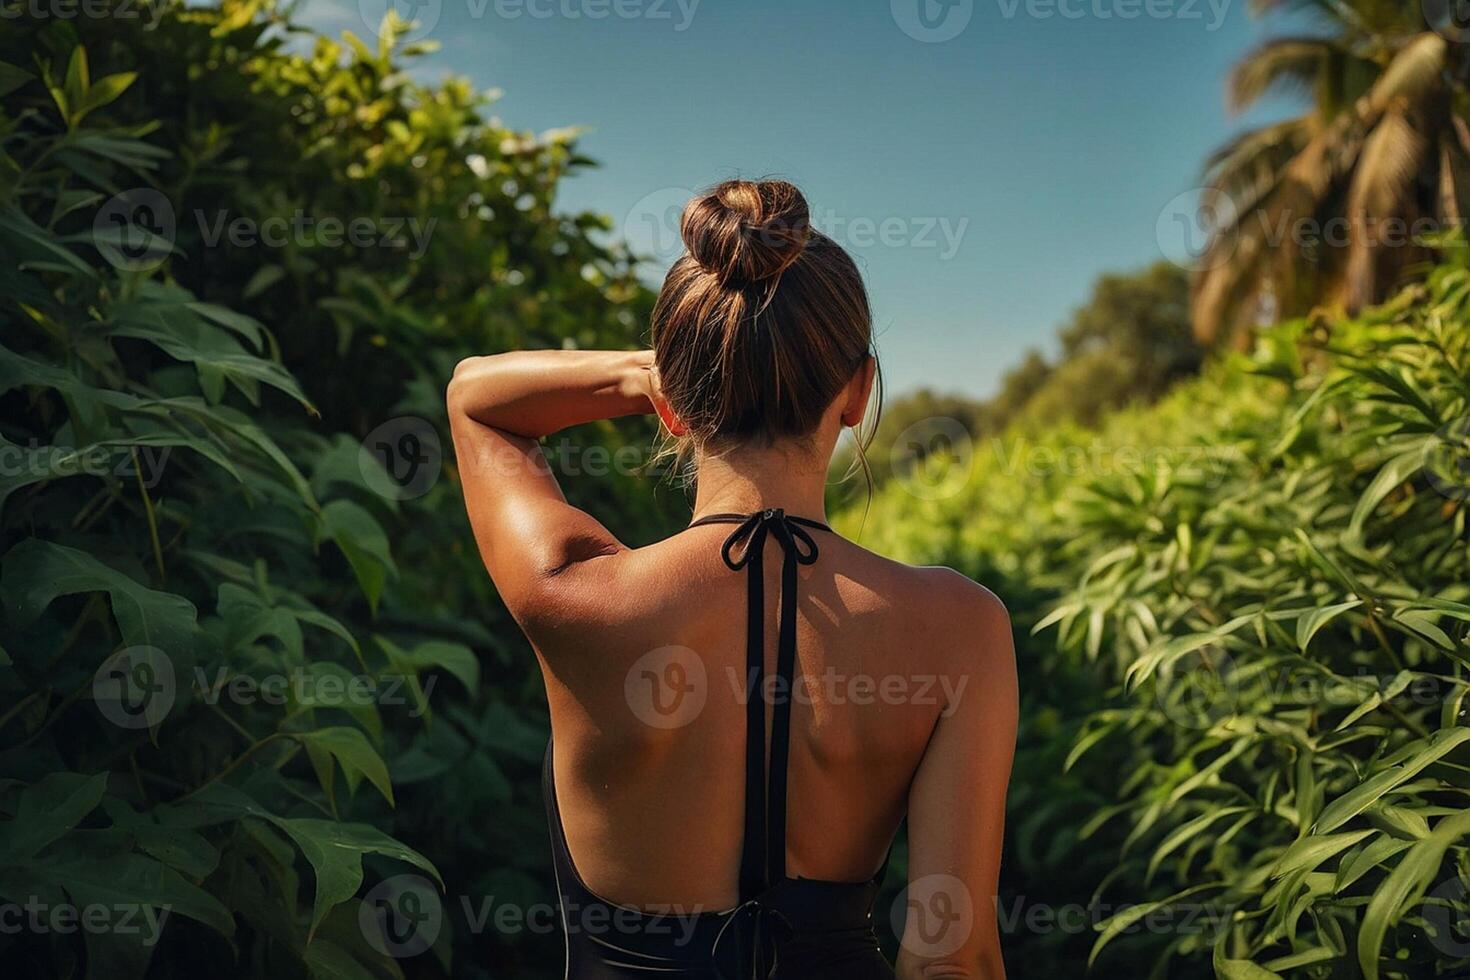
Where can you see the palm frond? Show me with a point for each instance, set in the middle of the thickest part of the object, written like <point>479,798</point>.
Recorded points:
<point>1382,191</point>
<point>1415,71</point>
<point>1246,168</point>
<point>1283,65</point>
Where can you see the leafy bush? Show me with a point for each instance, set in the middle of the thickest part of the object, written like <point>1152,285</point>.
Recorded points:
<point>1269,571</point>
<point>195,350</point>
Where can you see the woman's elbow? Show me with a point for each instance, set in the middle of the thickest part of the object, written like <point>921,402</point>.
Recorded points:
<point>468,373</point>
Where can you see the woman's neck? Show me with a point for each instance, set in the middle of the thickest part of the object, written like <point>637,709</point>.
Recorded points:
<point>747,479</point>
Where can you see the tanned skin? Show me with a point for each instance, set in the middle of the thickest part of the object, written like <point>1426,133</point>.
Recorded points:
<point>909,703</point>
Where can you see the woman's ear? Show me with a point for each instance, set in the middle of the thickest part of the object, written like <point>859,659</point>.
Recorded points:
<point>671,421</point>
<point>859,390</point>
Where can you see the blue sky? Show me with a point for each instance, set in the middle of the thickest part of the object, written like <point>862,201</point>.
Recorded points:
<point>984,165</point>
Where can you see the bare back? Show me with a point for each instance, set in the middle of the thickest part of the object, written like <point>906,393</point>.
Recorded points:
<point>903,703</point>
<point>644,659</point>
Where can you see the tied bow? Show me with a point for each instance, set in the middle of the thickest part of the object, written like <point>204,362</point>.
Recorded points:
<point>758,931</point>
<point>747,543</point>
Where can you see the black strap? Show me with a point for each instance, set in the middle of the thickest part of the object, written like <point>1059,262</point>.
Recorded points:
<point>763,852</point>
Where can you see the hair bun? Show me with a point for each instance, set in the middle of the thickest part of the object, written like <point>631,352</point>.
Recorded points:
<point>745,231</point>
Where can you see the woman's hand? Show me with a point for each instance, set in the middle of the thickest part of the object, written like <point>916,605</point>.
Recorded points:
<point>642,379</point>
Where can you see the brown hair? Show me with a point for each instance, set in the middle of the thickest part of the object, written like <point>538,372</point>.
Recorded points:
<point>762,322</point>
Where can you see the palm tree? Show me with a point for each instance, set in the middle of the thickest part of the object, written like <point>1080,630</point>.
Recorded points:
<point>1329,208</point>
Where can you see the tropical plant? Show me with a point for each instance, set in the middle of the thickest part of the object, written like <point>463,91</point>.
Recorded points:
<point>251,667</point>
<point>1268,574</point>
<point>1332,207</point>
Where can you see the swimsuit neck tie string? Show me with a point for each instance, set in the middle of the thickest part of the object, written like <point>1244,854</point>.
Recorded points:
<point>763,853</point>
<point>746,543</point>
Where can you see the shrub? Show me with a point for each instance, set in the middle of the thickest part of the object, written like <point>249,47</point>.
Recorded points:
<point>1269,574</point>
<point>191,499</point>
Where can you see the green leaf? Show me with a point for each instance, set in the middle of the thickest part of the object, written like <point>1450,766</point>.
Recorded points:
<point>363,543</point>
<point>1392,475</point>
<point>48,809</point>
<point>104,92</point>
<point>29,244</point>
<point>12,78</point>
<point>1332,568</point>
<point>1398,381</point>
<point>1360,862</point>
<point>1311,622</point>
<point>1183,834</point>
<point>35,573</point>
<point>77,76</point>
<point>1084,743</point>
<point>1243,970</point>
<point>335,852</point>
<point>95,869</point>
<point>456,658</point>
<point>176,324</point>
<point>1365,794</point>
<point>180,848</point>
<point>105,460</point>
<point>248,617</point>
<point>1115,925</point>
<point>353,752</point>
<point>1404,886</point>
<point>1308,853</point>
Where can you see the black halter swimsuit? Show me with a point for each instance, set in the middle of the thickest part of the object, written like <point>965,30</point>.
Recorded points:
<point>783,927</point>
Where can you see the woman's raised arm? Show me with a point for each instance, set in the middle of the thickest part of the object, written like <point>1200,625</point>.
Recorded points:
<point>498,407</point>
<point>534,393</point>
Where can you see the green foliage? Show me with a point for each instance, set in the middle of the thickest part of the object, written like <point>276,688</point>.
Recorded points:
<point>1267,576</point>
<point>188,501</point>
<point>1128,344</point>
<point>1245,693</point>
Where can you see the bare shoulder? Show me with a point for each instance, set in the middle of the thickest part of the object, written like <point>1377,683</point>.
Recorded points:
<point>978,633</point>
<point>961,595</point>
<point>937,589</point>
<point>957,622</point>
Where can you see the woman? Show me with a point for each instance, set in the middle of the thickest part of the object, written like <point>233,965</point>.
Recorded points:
<point>724,785</point>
